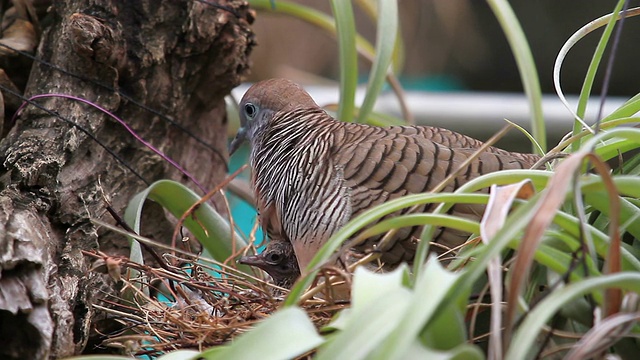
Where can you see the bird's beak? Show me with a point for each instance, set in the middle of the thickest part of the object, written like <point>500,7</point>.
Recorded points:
<point>254,260</point>
<point>241,136</point>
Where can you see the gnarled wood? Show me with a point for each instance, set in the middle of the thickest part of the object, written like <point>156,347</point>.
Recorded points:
<point>178,57</point>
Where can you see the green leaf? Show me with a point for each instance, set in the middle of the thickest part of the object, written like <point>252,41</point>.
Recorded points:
<point>286,334</point>
<point>386,34</point>
<point>587,85</point>
<point>526,66</point>
<point>180,355</point>
<point>380,308</point>
<point>211,229</point>
<point>312,16</point>
<point>379,119</point>
<point>418,351</point>
<point>430,292</point>
<point>339,322</point>
<point>571,224</point>
<point>527,333</point>
<point>537,177</point>
<point>410,220</point>
<point>367,285</point>
<point>629,213</point>
<point>612,149</point>
<point>513,226</point>
<point>346,28</point>
<point>537,148</point>
<point>629,108</point>
<point>447,330</point>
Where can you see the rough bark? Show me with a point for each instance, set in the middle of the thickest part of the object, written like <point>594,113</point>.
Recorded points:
<point>179,58</point>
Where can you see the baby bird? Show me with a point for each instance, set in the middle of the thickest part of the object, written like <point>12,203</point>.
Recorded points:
<point>277,260</point>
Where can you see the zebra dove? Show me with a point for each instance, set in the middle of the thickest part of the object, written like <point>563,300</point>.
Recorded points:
<point>312,173</point>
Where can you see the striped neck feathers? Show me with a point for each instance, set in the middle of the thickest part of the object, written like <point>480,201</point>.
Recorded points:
<point>278,148</point>
<point>281,136</point>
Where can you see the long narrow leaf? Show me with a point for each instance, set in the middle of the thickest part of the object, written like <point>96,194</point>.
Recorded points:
<point>527,333</point>
<point>346,27</point>
<point>211,229</point>
<point>314,17</point>
<point>386,35</point>
<point>587,85</point>
<point>609,20</point>
<point>629,108</point>
<point>526,66</point>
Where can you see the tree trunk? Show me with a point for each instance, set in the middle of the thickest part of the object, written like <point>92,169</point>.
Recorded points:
<point>143,61</point>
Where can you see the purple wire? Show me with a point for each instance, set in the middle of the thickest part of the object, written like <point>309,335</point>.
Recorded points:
<point>126,126</point>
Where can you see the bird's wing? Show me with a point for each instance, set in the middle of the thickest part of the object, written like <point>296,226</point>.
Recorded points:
<point>380,164</point>
<point>456,140</point>
<point>384,163</point>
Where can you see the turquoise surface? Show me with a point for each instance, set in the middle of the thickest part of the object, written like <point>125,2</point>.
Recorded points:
<point>244,215</point>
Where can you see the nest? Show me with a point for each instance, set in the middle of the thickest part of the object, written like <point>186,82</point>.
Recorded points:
<point>194,304</point>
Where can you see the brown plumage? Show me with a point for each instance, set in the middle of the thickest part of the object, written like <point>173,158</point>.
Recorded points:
<point>278,260</point>
<point>312,173</point>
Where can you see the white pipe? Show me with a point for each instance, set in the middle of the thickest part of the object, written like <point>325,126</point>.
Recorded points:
<point>477,114</point>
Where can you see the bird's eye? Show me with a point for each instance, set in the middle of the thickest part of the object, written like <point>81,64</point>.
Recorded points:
<point>250,110</point>
<point>273,258</point>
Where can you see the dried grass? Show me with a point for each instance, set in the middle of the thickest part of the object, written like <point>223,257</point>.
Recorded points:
<point>210,303</point>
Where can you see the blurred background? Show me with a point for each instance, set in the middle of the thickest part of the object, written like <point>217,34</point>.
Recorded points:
<point>454,47</point>
<point>458,68</point>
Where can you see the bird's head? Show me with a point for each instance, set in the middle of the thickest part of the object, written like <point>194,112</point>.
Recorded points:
<point>278,260</point>
<point>262,101</point>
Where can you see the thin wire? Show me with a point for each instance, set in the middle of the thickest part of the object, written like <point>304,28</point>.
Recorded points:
<point>609,69</point>
<point>128,128</point>
<point>79,127</point>
<point>125,96</point>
